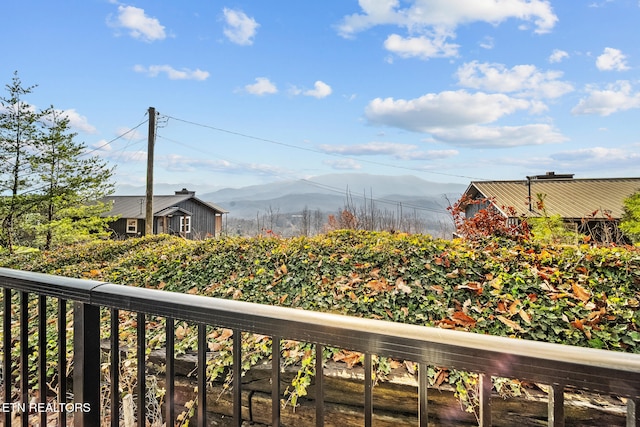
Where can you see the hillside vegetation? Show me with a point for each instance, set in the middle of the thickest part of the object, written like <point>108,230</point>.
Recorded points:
<point>578,295</point>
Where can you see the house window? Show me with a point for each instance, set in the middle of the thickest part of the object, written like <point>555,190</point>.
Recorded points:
<point>185,224</point>
<point>132,225</point>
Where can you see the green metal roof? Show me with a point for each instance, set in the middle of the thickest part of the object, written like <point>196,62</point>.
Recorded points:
<point>569,198</point>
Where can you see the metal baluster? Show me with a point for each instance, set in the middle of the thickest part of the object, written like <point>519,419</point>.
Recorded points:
<point>42,355</point>
<point>275,381</point>
<point>62,359</point>
<point>142,374</point>
<point>24,356</point>
<point>368,390</point>
<point>423,389</point>
<point>6,348</point>
<point>237,377</point>
<point>115,367</point>
<point>319,386</point>
<point>202,375</point>
<point>86,364</point>
<point>169,372</point>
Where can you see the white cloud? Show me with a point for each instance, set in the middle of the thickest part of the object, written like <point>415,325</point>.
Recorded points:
<point>140,26</point>
<point>130,134</point>
<point>460,118</point>
<point>421,14</point>
<point>262,86</point>
<point>105,150</point>
<point>617,160</point>
<point>396,150</point>
<point>487,43</point>
<point>612,60</point>
<point>420,47</point>
<point>78,121</point>
<point>102,145</point>
<point>172,73</point>
<point>443,110</point>
<point>178,163</point>
<point>595,153</point>
<point>320,90</point>
<point>343,164</point>
<point>441,154</point>
<point>618,96</point>
<point>371,148</point>
<point>499,136</point>
<point>558,55</point>
<point>239,28</point>
<point>523,80</point>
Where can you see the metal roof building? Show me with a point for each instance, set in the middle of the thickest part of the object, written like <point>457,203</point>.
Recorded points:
<point>572,199</point>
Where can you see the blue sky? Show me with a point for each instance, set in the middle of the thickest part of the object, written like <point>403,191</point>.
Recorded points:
<point>251,92</point>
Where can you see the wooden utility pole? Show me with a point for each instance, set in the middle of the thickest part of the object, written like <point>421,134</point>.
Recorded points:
<point>148,224</point>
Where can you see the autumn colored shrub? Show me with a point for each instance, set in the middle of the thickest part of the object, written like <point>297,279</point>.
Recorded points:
<point>487,221</point>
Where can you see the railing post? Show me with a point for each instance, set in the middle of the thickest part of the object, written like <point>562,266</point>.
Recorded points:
<point>319,378</point>
<point>556,405</point>
<point>86,365</point>
<point>485,399</point>
<point>423,390</point>
<point>368,390</point>
<point>7,362</point>
<point>633,413</point>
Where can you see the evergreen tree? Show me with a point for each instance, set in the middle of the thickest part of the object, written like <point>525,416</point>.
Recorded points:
<point>20,134</point>
<point>70,184</point>
<point>48,184</point>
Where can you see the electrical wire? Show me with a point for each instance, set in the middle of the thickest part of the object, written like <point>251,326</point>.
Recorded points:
<point>313,150</point>
<point>330,188</point>
<point>114,139</point>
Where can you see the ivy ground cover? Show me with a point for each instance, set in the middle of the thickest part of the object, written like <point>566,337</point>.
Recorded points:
<point>578,295</point>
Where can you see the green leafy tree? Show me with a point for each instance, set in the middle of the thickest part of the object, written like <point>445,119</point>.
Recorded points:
<point>20,135</point>
<point>630,224</point>
<point>70,183</point>
<point>550,228</point>
<point>48,183</point>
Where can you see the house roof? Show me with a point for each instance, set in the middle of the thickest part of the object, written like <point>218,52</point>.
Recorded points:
<point>134,206</point>
<point>567,197</point>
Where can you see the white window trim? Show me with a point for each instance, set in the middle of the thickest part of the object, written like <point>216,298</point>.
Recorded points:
<point>185,224</point>
<point>132,226</point>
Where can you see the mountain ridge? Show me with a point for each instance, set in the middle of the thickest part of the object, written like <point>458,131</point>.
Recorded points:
<point>327,193</point>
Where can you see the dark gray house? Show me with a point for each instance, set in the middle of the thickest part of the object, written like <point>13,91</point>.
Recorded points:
<point>182,214</point>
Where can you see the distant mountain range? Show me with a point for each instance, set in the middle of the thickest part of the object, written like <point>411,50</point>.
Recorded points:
<point>327,193</point>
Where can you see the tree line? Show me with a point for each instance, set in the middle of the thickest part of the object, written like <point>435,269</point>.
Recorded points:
<point>49,184</point>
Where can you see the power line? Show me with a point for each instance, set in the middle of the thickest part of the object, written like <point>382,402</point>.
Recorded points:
<point>376,200</point>
<point>334,189</point>
<point>114,139</point>
<point>313,150</point>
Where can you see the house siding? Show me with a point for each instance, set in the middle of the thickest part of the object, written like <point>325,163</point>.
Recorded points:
<point>120,228</point>
<point>203,223</point>
<point>205,218</point>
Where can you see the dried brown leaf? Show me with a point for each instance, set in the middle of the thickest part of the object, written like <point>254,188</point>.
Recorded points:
<point>510,323</point>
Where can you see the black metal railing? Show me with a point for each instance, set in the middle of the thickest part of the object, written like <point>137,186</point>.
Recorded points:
<point>559,366</point>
